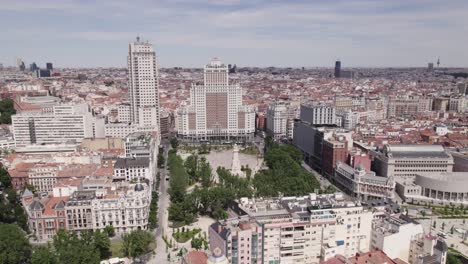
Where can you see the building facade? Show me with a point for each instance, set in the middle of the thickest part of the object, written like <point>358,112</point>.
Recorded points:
<point>318,114</point>
<point>408,106</point>
<point>404,162</point>
<point>66,123</point>
<point>216,111</point>
<point>95,205</point>
<point>279,120</point>
<point>128,169</point>
<point>307,229</point>
<point>363,184</point>
<point>143,79</point>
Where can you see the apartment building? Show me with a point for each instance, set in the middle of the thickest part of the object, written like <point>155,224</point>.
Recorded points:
<point>307,229</point>
<point>280,120</point>
<point>394,235</point>
<point>128,169</point>
<point>408,106</point>
<point>240,241</point>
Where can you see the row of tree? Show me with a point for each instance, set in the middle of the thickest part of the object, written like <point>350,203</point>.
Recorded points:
<point>69,247</point>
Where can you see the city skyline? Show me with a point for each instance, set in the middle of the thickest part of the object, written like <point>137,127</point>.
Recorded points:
<point>247,33</point>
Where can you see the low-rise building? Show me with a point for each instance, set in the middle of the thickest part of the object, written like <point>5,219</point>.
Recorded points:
<point>363,184</point>
<point>394,235</point>
<point>404,162</point>
<point>128,169</point>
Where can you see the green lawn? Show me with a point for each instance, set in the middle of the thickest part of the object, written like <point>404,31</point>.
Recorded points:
<point>116,248</point>
<point>183,237</point>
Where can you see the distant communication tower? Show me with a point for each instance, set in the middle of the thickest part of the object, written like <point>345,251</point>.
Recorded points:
<point>438,62</point>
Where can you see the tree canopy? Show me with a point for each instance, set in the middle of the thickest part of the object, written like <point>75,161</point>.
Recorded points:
<point>137,243</point>
<point>6,110</point>
<point>14,247</point>
<point>44,255</point>
<point>11,210</point>
<point>285,174</point>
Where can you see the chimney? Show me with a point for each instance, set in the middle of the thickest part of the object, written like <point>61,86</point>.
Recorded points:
<point>220,228</point>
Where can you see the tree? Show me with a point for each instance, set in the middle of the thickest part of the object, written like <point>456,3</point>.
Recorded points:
<point>452,259</point>
<point>110,230</point>
<point>43,255</point>
<point>179,177</point>
<point>204,149</point>
<point>174,143</point>
<point>197,243</point>
<point>136,243</point>
<point>72,249</point>
<point>191,165</point>
<point>14,247</point>
<point>102,243</point>
<point>5,179</point>
<point>6,110</point>
<point>285,174</point>
<point>161,160</point>
<point>205,172</point>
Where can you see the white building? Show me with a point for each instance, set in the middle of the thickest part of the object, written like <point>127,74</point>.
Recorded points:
<point>394,235</point>
<point>362,184</point>
<point>123,113</point>
<point>128,169</point>
<point>308,229</point>
<point>143,84</point>
<point>66,123</point>
<point>280,120</point>
<point>124,206</point>
<point>318,114</point>
<point>216,111</point>
<point>404,162</point>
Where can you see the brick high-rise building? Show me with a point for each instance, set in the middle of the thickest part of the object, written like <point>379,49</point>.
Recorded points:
<point>216,111</point>
<point>333,150</point>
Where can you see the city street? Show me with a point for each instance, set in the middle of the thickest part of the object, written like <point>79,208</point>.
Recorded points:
<point>453,240</point>
<point>163,204</point>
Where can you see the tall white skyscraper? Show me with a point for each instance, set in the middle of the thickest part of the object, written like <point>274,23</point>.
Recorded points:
<point>216,110</point>
<point>143,81</point>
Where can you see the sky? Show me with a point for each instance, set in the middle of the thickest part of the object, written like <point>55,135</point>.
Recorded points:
<point>187,33</point>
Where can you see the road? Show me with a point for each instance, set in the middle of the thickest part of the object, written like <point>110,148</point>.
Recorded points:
<point>453,240</point>
<point>323,181</point>
<point>163,204</point>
